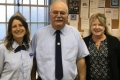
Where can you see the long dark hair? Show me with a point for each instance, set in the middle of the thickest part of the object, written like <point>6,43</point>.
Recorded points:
<point>9,37</point>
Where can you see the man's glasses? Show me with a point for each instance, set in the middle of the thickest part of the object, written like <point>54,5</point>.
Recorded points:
<point>57,12</point>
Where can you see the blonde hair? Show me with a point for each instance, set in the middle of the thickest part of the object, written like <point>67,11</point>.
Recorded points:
<point>102,19</point>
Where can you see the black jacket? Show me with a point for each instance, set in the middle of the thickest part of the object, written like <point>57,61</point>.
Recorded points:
<point>113,56</point>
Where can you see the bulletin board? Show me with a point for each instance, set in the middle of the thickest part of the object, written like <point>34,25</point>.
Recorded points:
<point>115,22</point>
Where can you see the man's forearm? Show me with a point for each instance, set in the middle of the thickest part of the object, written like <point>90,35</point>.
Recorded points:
<point>81,69</point>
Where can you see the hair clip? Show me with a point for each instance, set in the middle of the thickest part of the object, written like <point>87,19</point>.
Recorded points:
<point>31,54</point>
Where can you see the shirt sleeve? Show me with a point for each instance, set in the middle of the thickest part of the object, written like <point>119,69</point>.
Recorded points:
<point>1,60</point>
<point>82,48</point>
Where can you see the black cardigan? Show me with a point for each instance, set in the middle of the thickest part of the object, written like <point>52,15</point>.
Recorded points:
<point>113,56</point>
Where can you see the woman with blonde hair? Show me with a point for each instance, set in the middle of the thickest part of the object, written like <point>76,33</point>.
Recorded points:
<point>103,63</point>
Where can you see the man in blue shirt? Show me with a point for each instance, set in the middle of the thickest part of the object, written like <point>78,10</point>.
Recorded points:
<point>73,47</point>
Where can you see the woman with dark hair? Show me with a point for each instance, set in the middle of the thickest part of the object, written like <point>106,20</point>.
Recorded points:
<point>15,51</point>
<point>103,63</point>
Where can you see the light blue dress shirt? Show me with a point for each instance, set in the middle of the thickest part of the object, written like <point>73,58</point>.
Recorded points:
<point>15,66</point>
<point>72,45</point>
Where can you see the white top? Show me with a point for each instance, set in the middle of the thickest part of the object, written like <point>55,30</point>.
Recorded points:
<point>15,66</point>
<point>72,45</point>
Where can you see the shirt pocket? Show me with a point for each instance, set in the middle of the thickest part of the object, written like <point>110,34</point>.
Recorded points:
<point>71,53</point>
<point>12,64</point>
<point>45,53</point>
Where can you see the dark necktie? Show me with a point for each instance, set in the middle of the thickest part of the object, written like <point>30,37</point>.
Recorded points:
<point>58,57</point>
<point>20,48</point>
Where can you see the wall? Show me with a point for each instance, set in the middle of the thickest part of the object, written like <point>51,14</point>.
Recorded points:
<point>115,22</point>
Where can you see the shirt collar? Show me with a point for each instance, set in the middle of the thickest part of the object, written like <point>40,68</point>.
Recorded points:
<point>15,45</point>
<point>52,30</point>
